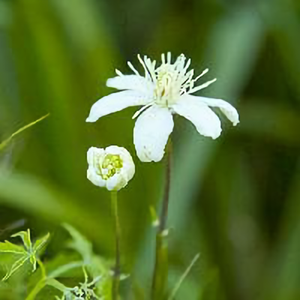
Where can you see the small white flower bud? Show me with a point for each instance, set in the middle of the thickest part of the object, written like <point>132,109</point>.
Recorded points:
<point>111,167</point>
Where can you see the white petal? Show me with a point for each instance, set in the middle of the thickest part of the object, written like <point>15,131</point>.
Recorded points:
<point>151,132</point>
<point>128,168</point>
<point>116,150</point>
<point>227,109</point>
<point>116,102</point>
<point>116,182</point>
<point>95,178</point>
<point>94,154</point>
<point>204,119</point>
<point>129,82</point>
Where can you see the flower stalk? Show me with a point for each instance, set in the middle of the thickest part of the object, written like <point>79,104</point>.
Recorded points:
<point>117,267</point>
<point>160,274</point>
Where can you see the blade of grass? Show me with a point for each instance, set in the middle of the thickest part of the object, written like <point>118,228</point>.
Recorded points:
<point>8,140</point>
<point>182,278</point>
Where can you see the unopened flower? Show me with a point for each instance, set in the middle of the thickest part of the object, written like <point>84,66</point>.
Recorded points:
<point>111,167</point>
<point>163,91</point>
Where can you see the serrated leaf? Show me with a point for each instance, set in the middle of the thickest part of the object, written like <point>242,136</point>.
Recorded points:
<point>25,236</point>
<point>38,245</point>
<point>8,247</point>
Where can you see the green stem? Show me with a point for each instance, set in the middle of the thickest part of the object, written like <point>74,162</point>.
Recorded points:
<point>41,283</point>
<point>117,268</point>
<point>161,252</point>
<point>43,270</point>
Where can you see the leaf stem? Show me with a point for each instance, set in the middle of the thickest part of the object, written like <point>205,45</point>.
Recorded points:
<point>117,268</point>
<point>43,270</point>
<point>161,252</point>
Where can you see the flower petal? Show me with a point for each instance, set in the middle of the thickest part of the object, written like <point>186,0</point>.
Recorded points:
<point>151,132</point>
<point>128,168</point>
<point>205,120</point>
<point>95,178</point>
<point>116,102</point>
<point>128,82</point>
<point>93,154</point>
<point>116,182</point>
<point>226,108</point>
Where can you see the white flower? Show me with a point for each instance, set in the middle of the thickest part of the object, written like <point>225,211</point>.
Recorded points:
<point>163,91</point>
<point>112,167</point>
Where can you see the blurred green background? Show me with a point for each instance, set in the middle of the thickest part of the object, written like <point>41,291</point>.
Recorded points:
<point>235,200</point>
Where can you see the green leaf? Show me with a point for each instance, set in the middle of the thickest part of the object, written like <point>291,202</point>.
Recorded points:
<point>95,265</point>
<point>33,262</point>
<point>24,192</point>
<point>7,141</point>
<point>17,265</point>
<point>58,285</point>
<point>25,236</point>
<point>182,278</point>
<point>80,243</point>
<point>39,286</point>
<point>8,247</point>
<point>39,244</point>
<point>154,217</point>
<point>28,253</point>
<point>65,268</point>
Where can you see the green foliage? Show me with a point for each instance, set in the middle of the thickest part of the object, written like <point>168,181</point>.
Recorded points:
<point>90,264</point>
<point>28,253</point>
<point>95,265</point>
<point>85,291</point>
<point>234,200</point>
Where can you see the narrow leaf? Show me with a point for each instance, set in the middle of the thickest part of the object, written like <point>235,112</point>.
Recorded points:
<point>58,285</point>
<point>17,265</point>
<point>65,268</point>
<point>25,236</point>
<point>6,142</point>
<point>182,278</point>
<point>38,245</point>
<point>154,217</point>
<point>33,262</point>
<point>80,243</point>
<point>39,286</point>
<point>8,247</point>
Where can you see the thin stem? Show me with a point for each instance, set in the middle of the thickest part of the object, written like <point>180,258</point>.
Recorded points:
<point>183,276</point>
<point>161,254</point>
<point>117,268</point>
<point>40,284</point>
<point>43,271</point>
<point>165,205</point>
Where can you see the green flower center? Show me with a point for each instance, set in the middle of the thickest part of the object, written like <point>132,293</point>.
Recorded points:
<point>111,165</point>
